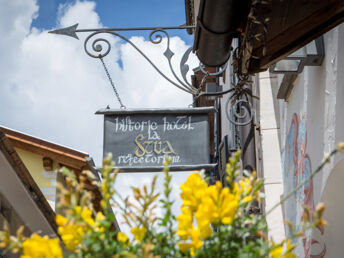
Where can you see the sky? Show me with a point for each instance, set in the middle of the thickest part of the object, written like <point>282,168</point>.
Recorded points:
<point>124,14</point>
<point>50,88</point>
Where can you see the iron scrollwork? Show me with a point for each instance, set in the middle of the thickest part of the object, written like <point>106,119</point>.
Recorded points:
<point>98,47</point>
<point>95,48</point>
<point>241,111</point>
<point>184,68</point>
<point>101,47</point>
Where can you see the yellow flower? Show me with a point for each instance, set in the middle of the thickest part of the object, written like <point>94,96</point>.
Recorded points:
<point>103,187</point>
<point>78,209</point>
<point>210,205</point>
<point>41,247</point>
<point>196,243</point>
<point>100,216</point>
<point>290,247</point>
<point>60,220</point>
<point>276,252</point>
<point>218,205</point>
<point>192,191</point>
<point>139,233</point>
<point>86,215</point>
<point>71,235</point>
<point>204,228</point>
<point>203,217</point>
<point>121,237</point>
<point>184,247</point>
<point>184,223</point>
<point>247,199</point>
<point>213,205</point>
<point>196,239</point>
<point>245,186</point>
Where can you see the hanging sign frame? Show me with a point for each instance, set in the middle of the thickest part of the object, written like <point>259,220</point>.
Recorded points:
<point>139,139</point>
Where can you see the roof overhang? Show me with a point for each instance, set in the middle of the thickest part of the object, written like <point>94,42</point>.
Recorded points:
<point>20,190</point>
<point>64,155</point>
<point>217,23</point>
<point>292,24</point>
<point>75,160</point>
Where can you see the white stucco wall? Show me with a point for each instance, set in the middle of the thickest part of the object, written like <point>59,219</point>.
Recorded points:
<point>312,123</point>
<point>332,197</point>
<point>271,158</point>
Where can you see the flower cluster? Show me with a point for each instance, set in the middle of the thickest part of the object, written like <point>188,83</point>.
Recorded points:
<point>38,246</point>
<point>71,234</point>
<point>139,233</point>
<point>209,205</point>
<point>282,250</point>
<point>217,220</point>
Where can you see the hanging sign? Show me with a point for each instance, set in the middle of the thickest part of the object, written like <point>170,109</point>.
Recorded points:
<point>140,139</point>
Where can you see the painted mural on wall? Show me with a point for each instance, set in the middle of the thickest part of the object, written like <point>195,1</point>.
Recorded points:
<point>296,168</point>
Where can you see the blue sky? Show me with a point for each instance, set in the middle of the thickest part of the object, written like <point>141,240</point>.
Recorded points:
<point>50,76</point>
<point>124,13</point>
<point>50,89</point>
<point>42,71</point>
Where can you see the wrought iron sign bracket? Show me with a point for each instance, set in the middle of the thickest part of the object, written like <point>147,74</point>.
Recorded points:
<point>97,47</point>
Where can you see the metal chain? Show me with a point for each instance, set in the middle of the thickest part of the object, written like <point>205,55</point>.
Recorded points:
<point>112,84</point>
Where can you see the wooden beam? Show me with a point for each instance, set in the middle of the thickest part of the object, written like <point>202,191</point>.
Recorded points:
<point>292,25</point>
<point>58,156</point>
<point>61,154</point>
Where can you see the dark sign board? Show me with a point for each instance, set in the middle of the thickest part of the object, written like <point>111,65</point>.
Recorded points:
<point>140,139</point>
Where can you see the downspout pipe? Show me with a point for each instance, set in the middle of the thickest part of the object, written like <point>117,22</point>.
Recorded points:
<point>217,24</point>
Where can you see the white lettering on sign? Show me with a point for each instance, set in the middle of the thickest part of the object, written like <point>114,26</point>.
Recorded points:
<point>147,147</point>
<point>126,124</point>
<point>151,137</point>
<point>131,159</point>
<point>181,123</point>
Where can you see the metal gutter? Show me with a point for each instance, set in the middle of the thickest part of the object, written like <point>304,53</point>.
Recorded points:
<point>217,24</point>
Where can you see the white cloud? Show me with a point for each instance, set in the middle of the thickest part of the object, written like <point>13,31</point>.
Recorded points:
<point>15,21</point>
<point>50,88</point>
<point>81,12</point>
